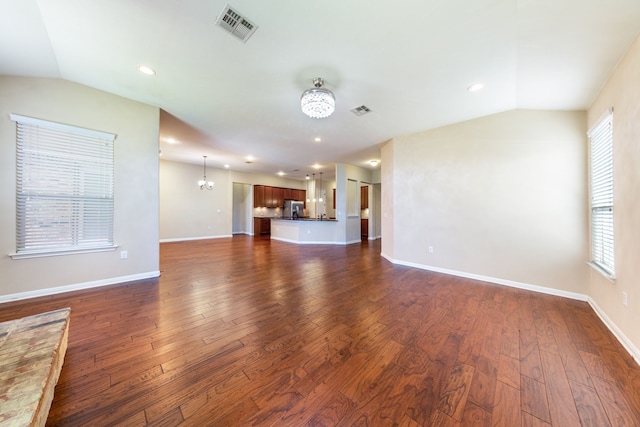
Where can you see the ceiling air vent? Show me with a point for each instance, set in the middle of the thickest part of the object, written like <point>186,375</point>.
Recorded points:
<point>233,22</point>
<point>361,110</point>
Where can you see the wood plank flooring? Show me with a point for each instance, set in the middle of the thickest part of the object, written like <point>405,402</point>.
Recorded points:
<point>248,331</point>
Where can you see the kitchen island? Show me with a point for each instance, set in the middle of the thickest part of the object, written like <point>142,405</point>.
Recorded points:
<point>305,231</point>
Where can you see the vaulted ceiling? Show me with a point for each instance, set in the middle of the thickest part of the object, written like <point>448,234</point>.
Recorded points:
<point>409,61</point>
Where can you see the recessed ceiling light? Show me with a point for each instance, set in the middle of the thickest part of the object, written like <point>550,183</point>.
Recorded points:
<point>475,87</point>
<point>146,70</point>
<point>172,141</point>
<point>373,162</point>
<point>226,166</point>
<point>281,173</point>
<point>317,139</point>
<point>317,166</point>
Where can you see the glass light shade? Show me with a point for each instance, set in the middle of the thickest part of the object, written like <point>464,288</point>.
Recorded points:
<point>318,102</point>
<point>206,184</point>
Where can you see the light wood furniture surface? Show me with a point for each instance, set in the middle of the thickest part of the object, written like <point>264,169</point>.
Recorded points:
<point>32,351</point>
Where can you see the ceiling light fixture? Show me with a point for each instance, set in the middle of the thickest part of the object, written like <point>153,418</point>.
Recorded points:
<point>475,87</point>
<point>318,102</point>
<point>373,163</point>
<point>146,70</point>
<point>203,183</point>
<point>315,188</point>
<point>320,196</point>
<point>317,139</point>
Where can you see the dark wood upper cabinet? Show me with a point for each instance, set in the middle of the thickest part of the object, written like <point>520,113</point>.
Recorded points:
<point>289,194</point>
<point>364,197</point>
<point>265,196</point>
<point>258,196</point>
<point>278,198</point>
<point>268,197</point>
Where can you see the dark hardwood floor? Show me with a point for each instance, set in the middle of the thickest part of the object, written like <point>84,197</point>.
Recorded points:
<point>248,331</point>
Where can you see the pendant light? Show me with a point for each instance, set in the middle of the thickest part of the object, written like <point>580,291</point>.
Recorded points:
<point>320,194</point>
<point>315,189</point>
<point>203,183</point>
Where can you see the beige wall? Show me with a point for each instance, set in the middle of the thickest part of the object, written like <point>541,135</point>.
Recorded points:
<point>502,197</point>
<point>622,92</point>
<point>389,184</point>
<point>186,212</point>
<point>136,186</point>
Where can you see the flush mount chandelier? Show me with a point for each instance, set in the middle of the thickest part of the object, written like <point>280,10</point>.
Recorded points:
<point>318,102</point>
<point>203,183</point>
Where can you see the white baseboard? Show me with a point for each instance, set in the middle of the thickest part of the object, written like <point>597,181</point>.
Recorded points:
<point>498,281</point>
<point>187,239</point>
<point>78,286</point>
<point>620,336</point>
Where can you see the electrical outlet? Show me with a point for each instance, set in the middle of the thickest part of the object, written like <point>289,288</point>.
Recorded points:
<point>430,249</point>
<point>625,300</point>
<point>124,255</point>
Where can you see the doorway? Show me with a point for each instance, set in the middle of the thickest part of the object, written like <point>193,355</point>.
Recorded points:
<point>241,217</point>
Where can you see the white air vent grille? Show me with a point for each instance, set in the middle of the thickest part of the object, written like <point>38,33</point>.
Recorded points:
<point>234,23</point>
<point>361,110</point>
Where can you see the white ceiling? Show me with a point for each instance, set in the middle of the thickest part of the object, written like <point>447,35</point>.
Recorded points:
<point>409,61</point>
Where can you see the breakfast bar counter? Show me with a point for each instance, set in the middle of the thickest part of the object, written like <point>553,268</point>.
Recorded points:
<point>305,231</point>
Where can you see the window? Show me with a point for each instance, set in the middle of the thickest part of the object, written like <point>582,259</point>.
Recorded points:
<point>64,188</point>
<point>601,177</point>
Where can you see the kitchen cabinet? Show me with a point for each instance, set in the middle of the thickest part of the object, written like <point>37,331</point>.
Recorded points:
<point>265,196</point>
<point>364,197</point>
<point>258,196</point>
<point>278,198</point>
<point>300,195</point>
<point>261,226</point>
<point>268,197</point>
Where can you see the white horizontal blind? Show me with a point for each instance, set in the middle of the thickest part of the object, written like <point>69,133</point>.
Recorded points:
<point>601,172</point>
<point>64,187</point>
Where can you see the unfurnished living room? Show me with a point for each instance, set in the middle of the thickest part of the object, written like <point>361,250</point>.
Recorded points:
<point>420,213</point>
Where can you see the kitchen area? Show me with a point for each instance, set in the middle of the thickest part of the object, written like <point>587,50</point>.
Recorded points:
<point>295,215</point>
<point>308,216</point>
<point>253,204</point>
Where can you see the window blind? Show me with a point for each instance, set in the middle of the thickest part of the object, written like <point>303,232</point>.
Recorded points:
<point>64,199</point>
<point>601,174</point>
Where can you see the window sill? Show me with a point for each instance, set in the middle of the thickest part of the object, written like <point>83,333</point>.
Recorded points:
<point>596,267</point>
<point>26,255</point>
